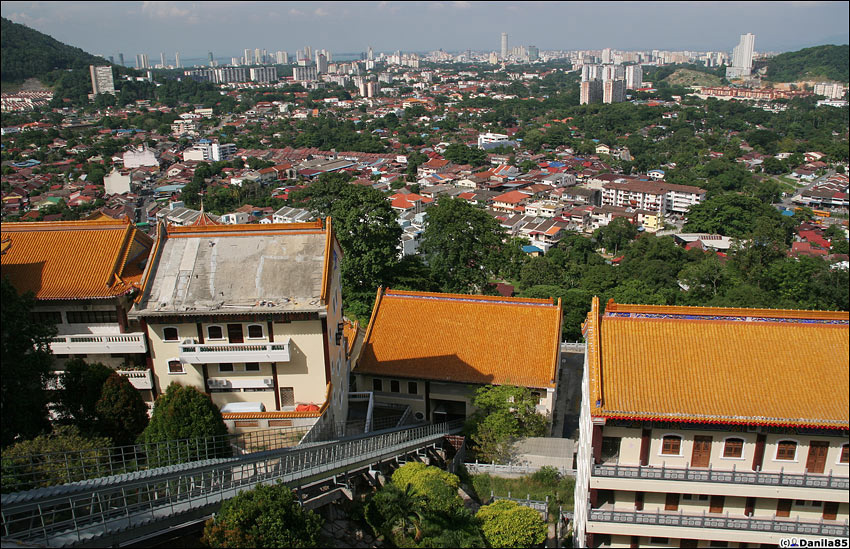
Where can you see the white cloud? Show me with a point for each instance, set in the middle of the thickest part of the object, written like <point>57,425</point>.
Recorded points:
<point>163,10</point>
<point>296,13</point>
<point>321,12</point>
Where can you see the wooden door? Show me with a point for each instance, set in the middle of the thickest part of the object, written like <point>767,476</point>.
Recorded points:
<point>783,508</point>
<point>638,501</point>
<point>716,504</point>
<point>234,333</point>
<point>672,503</point>
<point>758,455</point>
<point>750,507</point>
<point>817,456</point>
<point>830,510</point>
<point>645,439</point>
<point>701,455</point>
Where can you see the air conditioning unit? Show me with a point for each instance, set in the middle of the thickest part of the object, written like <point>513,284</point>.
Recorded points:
<point>189,341</point>
<point>217,383</point>
<point>268,382</point>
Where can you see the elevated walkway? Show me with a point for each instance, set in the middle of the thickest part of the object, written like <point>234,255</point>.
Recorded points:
<point>110,511</point>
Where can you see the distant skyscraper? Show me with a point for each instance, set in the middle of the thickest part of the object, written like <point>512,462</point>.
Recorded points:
<point>121,59</point>
<point>247,56</point>
<point>742,57</point>
<point>321,63</point>
<point>634,77</point>
<point>606,56</point>
<point>101,80</point>
<point>613,91</point>
<point>308,53</point>
<point>142,61</point>
<point>111,60</point>
<point>533,53</point>
<point>162,59</point>
<point>211,59</point>
<point>177,60</point>
<point>258,56</point>
<point>590,91</point>
<point>370,55</point>
<point>504,45</point>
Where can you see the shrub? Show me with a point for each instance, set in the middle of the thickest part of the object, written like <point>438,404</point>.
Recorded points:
<point>508,524</point>
<point>267,516</point>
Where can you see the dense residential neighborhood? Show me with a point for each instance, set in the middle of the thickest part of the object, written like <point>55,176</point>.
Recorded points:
<point>512,298</point>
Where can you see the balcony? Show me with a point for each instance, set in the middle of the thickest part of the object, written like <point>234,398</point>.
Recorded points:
<point>766,524</point>
<point>728,477</point>
<point>83,344</point>
<point>202,353</point>
<point>140,379</point>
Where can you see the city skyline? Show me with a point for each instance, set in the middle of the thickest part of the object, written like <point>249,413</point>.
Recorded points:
<point>195,28</point>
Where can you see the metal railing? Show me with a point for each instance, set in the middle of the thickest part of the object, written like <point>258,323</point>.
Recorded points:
<point>202,353</point>
<point>99,343</point>
<point>726,522</point>
<point>806,480</point>
<point>496,469</point>
<point>30,471</point>
<point>120,505</point>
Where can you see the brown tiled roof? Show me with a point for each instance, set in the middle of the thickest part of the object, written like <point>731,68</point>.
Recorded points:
<point>463,338</point>
<point>719,365</point>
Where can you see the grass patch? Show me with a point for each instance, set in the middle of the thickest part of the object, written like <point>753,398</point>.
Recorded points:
<point>560,492</point>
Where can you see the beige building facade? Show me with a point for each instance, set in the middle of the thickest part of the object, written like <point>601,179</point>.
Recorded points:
<point>687,442</point>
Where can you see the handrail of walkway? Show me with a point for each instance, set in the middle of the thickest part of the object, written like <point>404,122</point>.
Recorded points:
<point>25,472</point>
<point>84,511</point>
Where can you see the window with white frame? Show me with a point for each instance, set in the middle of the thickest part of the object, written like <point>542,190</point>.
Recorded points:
<point>175,366</point>
<point>215,332</point>
<point>170,333</point>
<point>255,331</point>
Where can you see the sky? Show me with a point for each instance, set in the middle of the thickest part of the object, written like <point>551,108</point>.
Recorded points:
<point>227,28</point>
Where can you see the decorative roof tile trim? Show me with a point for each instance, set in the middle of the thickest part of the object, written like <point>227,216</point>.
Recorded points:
<point>120,253</point>
<point>671,316</point>
<point>153,261</point>
<point>725,420</point>
<point>248,228</point>
<point>213,234</point>
<point>374,314</point>
<point>594,364</point>
<point>556,352</point>
<point>269,415</point>
<point>723,311</point>
<point>326,266</point>
<point>471,299</point>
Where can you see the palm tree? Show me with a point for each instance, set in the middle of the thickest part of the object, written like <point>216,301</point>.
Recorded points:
<point>394,512</point>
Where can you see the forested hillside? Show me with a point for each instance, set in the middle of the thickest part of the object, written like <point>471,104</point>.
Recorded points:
<point>821,61</point>
<point>27,53</point>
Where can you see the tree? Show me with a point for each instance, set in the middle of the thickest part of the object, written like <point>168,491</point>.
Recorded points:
<point>184,413</point>
<point>438,488</point>
<point>506,523</point>
<point>459,244</point>
<point>729,214</point>
<point>503,414</point>
<point>121,412</point>
<point>28,464</point>
<point>266,516</point>
<point>365,225</point>
<point>81,388</point>
<point>459,153</point>
<point>616,234</point>
<point>396,513</point>
<point>26,362</point>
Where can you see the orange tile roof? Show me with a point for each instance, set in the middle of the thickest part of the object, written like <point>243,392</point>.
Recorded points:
<point>463,338</point>
<point>719,365</point>
<point>99,258</point>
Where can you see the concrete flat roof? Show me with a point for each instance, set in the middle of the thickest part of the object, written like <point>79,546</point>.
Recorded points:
<point>222,273</point>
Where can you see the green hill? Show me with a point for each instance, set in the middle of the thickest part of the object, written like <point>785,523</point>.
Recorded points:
<point>27,53</point>
<point>830,62</point>
<point>688,77</point>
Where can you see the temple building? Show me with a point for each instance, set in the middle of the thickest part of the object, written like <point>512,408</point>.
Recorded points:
<point>712,427</point>
<point>430,351</point>
<point>252,315</point>
<point>84,276</point>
